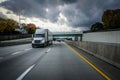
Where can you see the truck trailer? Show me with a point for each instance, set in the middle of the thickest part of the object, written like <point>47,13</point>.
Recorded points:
<point>42,37</point>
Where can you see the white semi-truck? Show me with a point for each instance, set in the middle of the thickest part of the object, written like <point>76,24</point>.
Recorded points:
<point>42,37</point>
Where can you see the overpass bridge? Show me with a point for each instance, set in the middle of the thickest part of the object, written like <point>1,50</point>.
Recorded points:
<point>73,35</point>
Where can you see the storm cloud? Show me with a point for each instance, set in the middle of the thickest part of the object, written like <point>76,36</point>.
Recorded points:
<point>75,13</point>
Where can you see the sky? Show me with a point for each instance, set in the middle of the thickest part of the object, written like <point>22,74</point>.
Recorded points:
<point>57,15</point>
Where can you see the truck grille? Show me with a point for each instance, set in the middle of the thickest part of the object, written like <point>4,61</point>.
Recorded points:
<point>37,41</point>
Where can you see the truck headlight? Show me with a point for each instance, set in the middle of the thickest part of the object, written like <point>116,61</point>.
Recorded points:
<point>32,41</point>
<point>43,41</point>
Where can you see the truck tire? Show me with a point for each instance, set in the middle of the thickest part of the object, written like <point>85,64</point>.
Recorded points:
<point>51,42</point>
<point>44,45</point>
<point>33,46</point>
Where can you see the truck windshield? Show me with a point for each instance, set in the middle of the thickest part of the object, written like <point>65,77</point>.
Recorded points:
<point>38,35</point>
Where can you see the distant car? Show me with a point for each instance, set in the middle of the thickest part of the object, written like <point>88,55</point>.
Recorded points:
<point>59,40</point>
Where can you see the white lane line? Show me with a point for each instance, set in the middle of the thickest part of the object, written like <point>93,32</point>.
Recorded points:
<point>24,73</point>
<point>28,49</point>
<point>20,51</point>
<point>16,53</point>
<point>48,50</point>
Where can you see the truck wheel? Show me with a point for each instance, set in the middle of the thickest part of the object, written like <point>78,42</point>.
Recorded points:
<point>51,42</point>
<point>33,46</point>
<point>44,45</point>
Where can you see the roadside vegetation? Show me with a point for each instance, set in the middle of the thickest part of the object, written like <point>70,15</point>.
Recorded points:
<point>110,20</point>
<point>9,26</point>
<point>30,28</point>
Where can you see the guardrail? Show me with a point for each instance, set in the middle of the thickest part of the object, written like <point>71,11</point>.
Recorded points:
<point>17,36</point>
<point>15,42</point>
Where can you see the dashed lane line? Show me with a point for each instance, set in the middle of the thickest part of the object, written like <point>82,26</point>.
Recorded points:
<point>16,53</point>
<point>21,51</point>
<point>28,49</point>
<point>26,72</point>
<point>48,50</point>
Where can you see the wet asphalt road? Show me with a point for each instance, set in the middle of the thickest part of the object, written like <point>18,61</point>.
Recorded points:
<point>55,62</point>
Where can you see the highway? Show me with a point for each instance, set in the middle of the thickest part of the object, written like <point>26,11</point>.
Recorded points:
<point>55,62</point>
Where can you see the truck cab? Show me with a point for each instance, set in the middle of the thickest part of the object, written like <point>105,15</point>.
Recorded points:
<point>42,37</point>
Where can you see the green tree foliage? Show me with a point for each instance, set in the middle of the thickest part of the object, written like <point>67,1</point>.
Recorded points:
<point>97,26</point>
<point>111,19</point>
<point>7,25</point>
<point>30,28</point>
<point>2,25</point>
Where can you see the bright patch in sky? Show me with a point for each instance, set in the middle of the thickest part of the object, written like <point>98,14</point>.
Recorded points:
<point>54,27</point>
<point>61,16</point>
<point>47,10</point>
<point>2,1</point>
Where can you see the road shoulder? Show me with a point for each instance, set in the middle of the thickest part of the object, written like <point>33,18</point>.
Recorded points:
<point>107,68</point>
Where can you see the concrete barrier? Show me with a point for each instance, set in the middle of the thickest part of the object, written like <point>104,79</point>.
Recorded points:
<point>15,42</point>
<point>109,52</point>
<point>15,36</point>
<point>104,37</point>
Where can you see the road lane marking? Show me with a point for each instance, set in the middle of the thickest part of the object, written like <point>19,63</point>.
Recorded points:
<point>24,73</point>
<point>16,53</point>
<point>20,51</point>
<point>48,50</point>
<point>88,62</point>
<point>28,49</point>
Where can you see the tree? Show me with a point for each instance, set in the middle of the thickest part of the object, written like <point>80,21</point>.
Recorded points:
<point>30,28</point>
<point>11,25</point>
<point>2,25</point>
<point>111,19</point>
<point>97,26</point>
<point>7,25</point>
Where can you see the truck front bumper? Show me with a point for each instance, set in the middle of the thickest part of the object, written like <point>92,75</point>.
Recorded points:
<point>38,45</point>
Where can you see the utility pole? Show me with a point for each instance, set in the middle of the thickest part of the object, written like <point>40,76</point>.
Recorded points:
<point>19,21</point>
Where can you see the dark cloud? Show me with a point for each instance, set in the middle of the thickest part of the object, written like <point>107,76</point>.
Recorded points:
<point>79,13</point>
<point>30,8</point>
<point>69,1</point>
